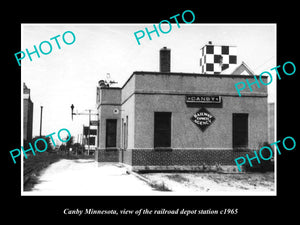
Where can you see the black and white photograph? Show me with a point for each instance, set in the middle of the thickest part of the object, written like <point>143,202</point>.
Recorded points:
<point>177,114</point>
<point>138,112</point>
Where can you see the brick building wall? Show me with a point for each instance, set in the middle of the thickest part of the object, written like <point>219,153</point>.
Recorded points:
<point>171,157</point>
<point>103,155</point>
<point>183,157</point>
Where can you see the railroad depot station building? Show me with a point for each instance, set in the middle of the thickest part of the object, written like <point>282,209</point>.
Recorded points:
<point>166,120</point>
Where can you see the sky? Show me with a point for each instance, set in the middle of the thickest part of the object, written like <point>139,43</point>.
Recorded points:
<point>70,75</point>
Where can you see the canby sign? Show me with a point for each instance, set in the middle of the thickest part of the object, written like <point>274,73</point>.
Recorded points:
<point>202,99</point>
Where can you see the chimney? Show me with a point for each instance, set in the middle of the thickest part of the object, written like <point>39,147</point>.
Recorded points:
<point>165,60</point>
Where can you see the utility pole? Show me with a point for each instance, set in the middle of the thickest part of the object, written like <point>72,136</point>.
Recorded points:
<point>41,119</point>
<point>89,114</point>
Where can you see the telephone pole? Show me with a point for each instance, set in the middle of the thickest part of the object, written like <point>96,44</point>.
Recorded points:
<point>89,127</point>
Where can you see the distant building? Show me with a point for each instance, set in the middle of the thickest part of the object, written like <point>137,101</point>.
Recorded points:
<point>165,119</point>
<point>89,139</point>
<point>271,122</point>
<point>27,114</point>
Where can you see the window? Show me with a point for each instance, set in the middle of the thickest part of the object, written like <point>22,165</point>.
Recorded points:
<point>240,130</point>
<point>162,129</point>
<point>111,133</point>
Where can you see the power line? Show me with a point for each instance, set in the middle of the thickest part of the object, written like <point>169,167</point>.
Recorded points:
<point>264,62</point>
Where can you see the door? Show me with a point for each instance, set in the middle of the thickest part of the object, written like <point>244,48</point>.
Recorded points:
<point>111,133</point>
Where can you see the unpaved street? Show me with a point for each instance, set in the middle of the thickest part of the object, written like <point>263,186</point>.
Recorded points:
<point>85,177</point>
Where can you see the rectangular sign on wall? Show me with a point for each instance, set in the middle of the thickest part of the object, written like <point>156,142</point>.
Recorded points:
<point>203,99</point>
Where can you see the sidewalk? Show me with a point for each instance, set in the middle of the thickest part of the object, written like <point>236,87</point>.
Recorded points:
<point>85,177</point>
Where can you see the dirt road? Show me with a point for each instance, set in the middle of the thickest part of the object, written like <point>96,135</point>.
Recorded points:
<point>85,177</point>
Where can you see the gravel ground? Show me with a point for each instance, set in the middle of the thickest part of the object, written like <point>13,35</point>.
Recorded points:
<point>216,183</point>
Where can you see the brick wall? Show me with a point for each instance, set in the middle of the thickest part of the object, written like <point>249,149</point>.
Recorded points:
<point>182,157</point>
<point>185,157</point>
<point>107,156</point>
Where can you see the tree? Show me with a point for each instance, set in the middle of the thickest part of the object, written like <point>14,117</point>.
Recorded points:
<point>77,147</point>
<point>40,144</point>
<point>70,142</point>
<point>62,148</point>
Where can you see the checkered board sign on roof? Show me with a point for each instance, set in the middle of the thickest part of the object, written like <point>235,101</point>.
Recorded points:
<point>216,58</point>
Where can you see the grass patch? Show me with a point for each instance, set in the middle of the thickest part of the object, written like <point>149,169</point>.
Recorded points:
<point>160,186</point>
<point>254,179</point>
<point>178,178</point>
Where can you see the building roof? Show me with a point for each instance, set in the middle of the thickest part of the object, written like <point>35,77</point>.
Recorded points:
<point>26,92</point>
<point>242,69</point>
<point>225,75</point>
